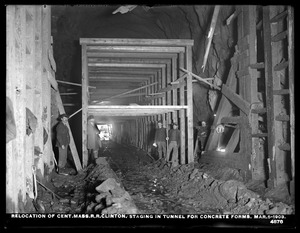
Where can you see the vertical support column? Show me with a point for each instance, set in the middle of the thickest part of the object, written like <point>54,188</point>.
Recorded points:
<point>136,133</point>
<point>189,84</point>
<point>19,146</point>
<point>257,157</point>
<point>169,100</point>
<point>156,88</point>
<point>11,195</point>
<point>147,117</point>
<point>160,100</point>
<point>143,132</point>
<point>182,112</point>
<point>291,88</point>
<point>278,49</point>
<point>46,87</point>
<point>38,104</point>
<point>163,85</point>
<point>30,79</point>
<point>85,99</point>
<point>269,93</point>
<point>174,91</point>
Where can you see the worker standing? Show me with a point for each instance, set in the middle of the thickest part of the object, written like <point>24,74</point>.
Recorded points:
<point>160,140</point>
<point>202,135</point>
<point>92,139</point>
<point>174,142</point>
<point>62,141</point>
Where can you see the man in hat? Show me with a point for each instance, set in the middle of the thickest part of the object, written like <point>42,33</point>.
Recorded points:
<point>62,140</point>
<point>160,140</point>
<point>92,138</point>
<point>174,143</point>
<point>202,134</point>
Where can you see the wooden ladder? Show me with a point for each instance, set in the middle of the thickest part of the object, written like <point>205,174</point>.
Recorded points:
<point>278,43</point>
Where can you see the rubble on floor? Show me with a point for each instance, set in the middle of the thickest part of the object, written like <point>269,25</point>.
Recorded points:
<point>124,181</point>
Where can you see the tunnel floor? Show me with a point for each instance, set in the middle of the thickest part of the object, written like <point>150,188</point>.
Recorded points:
<point>157,188</point>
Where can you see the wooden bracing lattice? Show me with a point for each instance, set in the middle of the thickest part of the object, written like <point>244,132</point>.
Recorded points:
<point>261,85</point>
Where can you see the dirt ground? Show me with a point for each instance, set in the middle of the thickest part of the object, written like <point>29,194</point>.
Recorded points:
<point>155,187</point>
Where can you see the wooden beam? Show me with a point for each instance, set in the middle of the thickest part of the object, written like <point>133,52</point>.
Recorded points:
<point>139,42</point>
<point>210,34</point>
<point>236,99</point>
<point>291,87</point>
<point>201,79</point>
<point>269,92</point>
<point>143,49</point>
<point>190,122</point>
<point>123,107</point>
<point>71,83</point>
<point>257,157</point>
<point>174,91</point>
<point>127,92</point>
<point>46,92</point>
<point>224,106</point>
<point>75,113</point>
<point>38,105</point>
<point>182,112</point>
<point>130,55</point>
<point>126,65</point>
<point>30,80</point>
<point>85,99</point>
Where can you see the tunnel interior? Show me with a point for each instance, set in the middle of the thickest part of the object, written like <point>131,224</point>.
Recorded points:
<point>164,22</point>
<point>218,78</point>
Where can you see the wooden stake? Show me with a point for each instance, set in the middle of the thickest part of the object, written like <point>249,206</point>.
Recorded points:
<point>210,34</point>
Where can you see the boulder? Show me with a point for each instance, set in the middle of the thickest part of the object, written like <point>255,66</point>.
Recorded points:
<point>101,161</point>
<point>108,185</point>
<point>101,196</point>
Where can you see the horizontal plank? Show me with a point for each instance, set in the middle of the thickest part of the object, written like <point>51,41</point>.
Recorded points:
<point>259,135</point>
<point>130,60</point>
<point>259,65</point>
<point>259,110</point>
<point>281,92</point>
<point>140,110</point>
<point>132,55</point>
<point>74,84</point>
<point>127,41</point>
<point>111,107</point>
<point>242,73</point>
<point>118,78</point>
<point>143,49</point>
<point>121,71</point>
<point>282,118</point>
<point>129,65</point>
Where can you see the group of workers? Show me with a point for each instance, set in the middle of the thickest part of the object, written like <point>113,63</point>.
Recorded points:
<point>161,140</point>
<point>63,140</point>
<point>167,143</point>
